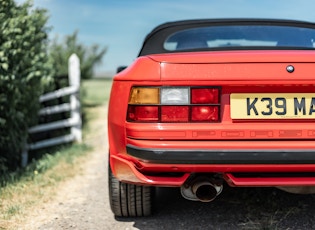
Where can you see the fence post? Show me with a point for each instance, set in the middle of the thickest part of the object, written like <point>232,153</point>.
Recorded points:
<point>24,155</point>
<point>74,80</point>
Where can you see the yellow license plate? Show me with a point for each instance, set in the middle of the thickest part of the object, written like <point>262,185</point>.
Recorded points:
<point>273,106</point>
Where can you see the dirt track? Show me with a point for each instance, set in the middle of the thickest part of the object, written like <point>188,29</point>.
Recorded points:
<point>82,203</point>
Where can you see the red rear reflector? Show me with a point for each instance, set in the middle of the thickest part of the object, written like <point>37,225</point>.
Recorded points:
<point>174,113</point>
<point>204,96</point>
<point>205,113</point>
<point>143,113</point>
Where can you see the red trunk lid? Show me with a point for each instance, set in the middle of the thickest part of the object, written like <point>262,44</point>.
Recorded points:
<point>238,66</point>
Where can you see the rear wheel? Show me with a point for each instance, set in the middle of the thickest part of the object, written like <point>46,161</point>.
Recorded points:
<point>129,200</point>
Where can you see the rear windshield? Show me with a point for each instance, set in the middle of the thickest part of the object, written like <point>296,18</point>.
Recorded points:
<point>241,36</point>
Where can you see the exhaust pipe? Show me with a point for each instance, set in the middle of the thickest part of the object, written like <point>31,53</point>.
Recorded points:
<point>206,191</point>
<point>202,189</point>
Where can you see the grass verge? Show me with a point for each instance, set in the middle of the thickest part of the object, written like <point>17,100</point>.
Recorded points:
<point>95,91</point>
<point>37,182</point>
<point>22,190</point>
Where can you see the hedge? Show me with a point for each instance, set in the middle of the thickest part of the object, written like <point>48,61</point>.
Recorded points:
<point>24,72</point>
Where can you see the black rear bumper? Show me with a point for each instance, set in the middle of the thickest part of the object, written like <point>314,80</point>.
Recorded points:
<point>219,156</point>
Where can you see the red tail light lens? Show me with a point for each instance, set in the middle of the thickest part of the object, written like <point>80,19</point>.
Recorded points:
<point>174,113</point>
<point>143,113</point>
<point>174,104</point>
<point>204,96</point>
<point>205,113</point>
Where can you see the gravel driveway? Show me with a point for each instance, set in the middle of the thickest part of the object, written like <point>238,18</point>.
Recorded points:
<point>82,203</point>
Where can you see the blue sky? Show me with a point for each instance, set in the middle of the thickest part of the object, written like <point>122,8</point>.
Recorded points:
<point>121,25</point>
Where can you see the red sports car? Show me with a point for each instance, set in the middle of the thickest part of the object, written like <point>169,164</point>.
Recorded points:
<point>213,102</point>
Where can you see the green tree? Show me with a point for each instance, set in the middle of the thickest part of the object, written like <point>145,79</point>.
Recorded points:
<point>89,56</point>
<point>24,71</point>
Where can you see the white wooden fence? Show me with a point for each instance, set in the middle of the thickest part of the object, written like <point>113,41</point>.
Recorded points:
<point>74,122</point>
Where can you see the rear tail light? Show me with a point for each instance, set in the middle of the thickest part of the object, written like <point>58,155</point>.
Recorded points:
<point>174,113</point>
<point>205,113</point>
<point>143,113</point>
<point>205,96</point>
<point>174,104</point>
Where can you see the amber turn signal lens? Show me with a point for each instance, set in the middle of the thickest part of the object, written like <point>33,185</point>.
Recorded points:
<point>141,95</point>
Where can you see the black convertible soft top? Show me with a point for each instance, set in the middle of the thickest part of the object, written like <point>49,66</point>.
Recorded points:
<point>229,34</point>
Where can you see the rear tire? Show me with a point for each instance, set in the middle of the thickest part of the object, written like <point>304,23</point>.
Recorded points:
<point>129,200</point>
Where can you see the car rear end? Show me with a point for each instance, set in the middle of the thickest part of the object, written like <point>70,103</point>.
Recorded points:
<point>243,118</point>
<point>197,120</point>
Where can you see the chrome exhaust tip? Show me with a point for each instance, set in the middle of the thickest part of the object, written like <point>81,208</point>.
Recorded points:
<point>201,190</point>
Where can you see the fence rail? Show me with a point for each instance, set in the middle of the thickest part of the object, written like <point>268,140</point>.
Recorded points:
<point>74,122</point>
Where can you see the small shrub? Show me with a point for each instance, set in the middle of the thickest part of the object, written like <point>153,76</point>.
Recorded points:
<point>24,72</point>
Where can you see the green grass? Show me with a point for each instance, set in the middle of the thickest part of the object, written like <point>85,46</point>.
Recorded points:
<point>96,91</point>
<point>21,189</point>
<point>46,162</point>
